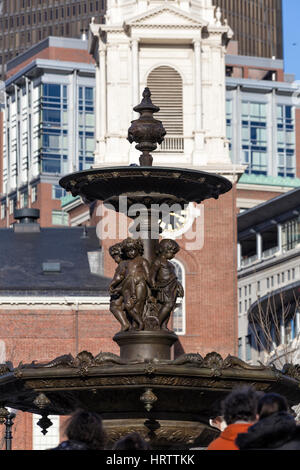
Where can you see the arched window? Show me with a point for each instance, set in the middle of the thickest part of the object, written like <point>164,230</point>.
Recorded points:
<point>165,84</point>
<point>51,439</point>
<point>178,316</point>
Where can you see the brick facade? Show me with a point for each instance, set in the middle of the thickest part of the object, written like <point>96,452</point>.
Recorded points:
<point>55,53</point>
<point>44,203</point>
<point>39,334</point>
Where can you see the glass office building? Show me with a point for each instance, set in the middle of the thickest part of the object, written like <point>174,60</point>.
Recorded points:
<point>261,120</point>
<point>49,126</point>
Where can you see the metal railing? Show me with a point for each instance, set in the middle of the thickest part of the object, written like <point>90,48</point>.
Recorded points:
<point>248,261</point>
<point>270,252</point>
<point>174,144</point>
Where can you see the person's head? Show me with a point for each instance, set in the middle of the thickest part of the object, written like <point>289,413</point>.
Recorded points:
<point>168,248</point>
<point>86,426</point>
<point>115,252</point>
<point>132,247</point>
<point>132,441</point>
<point>271,403</point>
<point>240,405</point>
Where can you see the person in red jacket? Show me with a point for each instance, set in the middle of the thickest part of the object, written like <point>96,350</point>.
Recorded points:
<point>239,410</point>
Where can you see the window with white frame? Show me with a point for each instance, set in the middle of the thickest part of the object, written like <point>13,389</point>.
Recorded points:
<point>12,205</point>
<point>24,199</point>
<point>178,317</point>
<point>33,193</point>
<point>3,210</point>
<point>58,192</point>
<point>286,141</point>
<point>60,217</point>
<point>254,137</point>
<point>49,440</point>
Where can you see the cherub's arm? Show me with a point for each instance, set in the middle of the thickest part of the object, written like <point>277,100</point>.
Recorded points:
<point>153,272</point>
<point>118,276</point>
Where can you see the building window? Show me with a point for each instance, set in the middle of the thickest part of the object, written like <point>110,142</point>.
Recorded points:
<point>248,348</point>
<point>178,316</point>
<point>240,348</point>
<point>12,205</point>
<point>166,81</point>
<point>254,137</point>
<point>60,218</point>
<point>290,234</point>
<point>33,194</point>
<point>285,141</point>
<point>229,124</point>
<point>24,199</point>
<point>86,123</point>
<point>3,210</point>
<point>58,192</point>
<point>54,152</point>
<point>51,439</point>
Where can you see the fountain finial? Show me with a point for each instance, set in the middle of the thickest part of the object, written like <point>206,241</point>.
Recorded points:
<point>146,131</point>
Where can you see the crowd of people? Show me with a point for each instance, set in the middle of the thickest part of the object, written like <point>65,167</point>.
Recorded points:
<point>251,420</point>
<point>247,420</point>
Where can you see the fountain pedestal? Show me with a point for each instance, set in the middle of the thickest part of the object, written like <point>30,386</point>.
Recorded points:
<point>145,345</point>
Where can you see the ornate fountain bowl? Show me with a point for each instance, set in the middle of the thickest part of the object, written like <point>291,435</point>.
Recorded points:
<point>168,402</point>
<point>147,185</point>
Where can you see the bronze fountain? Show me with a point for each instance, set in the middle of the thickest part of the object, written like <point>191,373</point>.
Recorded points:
<point>168,401</point>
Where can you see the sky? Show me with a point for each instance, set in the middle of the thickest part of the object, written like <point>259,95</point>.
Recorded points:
<point>291,36</point>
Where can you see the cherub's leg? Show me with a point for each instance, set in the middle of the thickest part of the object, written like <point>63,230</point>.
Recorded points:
<point>164,314</point>
<point>137,310</point>
<point>129,286</point>
<point>119,314</point>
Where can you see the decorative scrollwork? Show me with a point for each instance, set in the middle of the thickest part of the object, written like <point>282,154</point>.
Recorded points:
<point>292,370</point>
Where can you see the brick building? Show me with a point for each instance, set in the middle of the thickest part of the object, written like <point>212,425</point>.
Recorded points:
<point>54,301</point>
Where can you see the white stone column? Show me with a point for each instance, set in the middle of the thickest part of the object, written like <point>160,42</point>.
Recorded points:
<point>97,113</point>
<point>102,98</point>
<point>198,85</point>
<point>279,237</point>
<point>135,75</point>
<point>239,256</point>
<point>259,246</point>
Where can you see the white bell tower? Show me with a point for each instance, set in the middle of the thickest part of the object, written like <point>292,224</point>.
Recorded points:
<point>177,48</point>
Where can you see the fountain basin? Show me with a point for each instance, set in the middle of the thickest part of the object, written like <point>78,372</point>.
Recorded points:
<point>147,185</point>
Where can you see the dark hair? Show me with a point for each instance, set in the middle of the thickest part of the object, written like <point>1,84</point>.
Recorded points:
<point>86,427</point>
<point>240,405</point>
<point>133,242</point>
<point>271,403</point>
<point>168,244</point>
<point>132,441</point>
